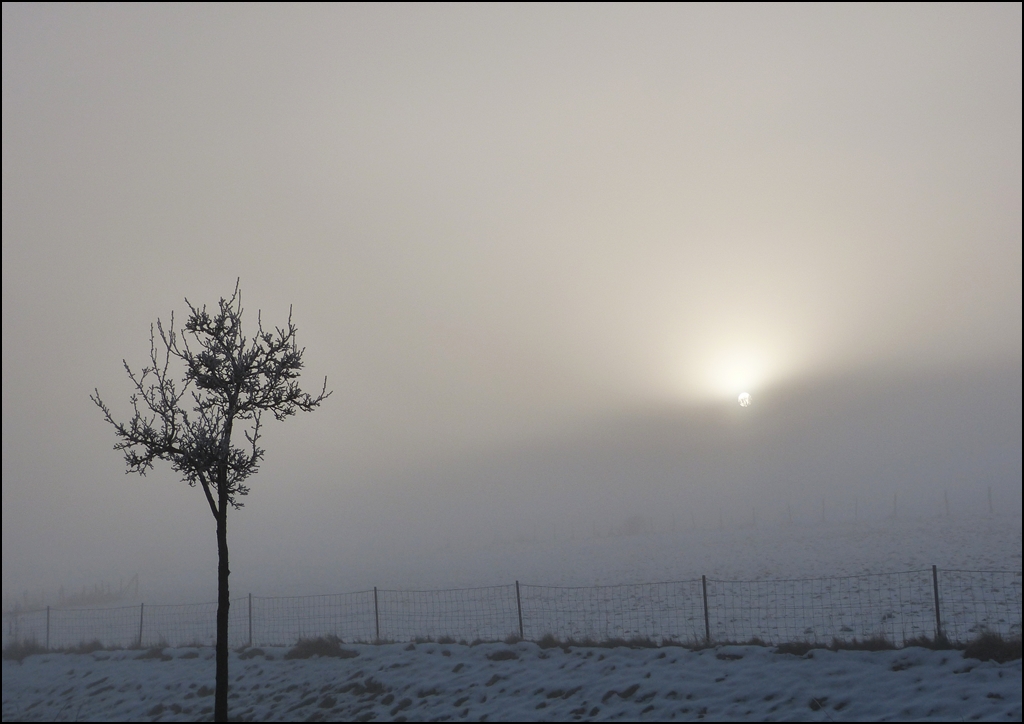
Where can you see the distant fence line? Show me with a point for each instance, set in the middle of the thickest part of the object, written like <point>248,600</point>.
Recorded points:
<point>956,605</point>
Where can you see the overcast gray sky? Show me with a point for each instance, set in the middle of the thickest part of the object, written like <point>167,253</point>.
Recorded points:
<point>537,250</point>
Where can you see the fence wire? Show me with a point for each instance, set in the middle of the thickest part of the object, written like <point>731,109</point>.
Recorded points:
<point>487,614</point>
<point>897,606</point>
<point>193,624</point>
<point>284,620</point>
<point>658,611</point>
<point>63,628</point>
<point>976,602</point>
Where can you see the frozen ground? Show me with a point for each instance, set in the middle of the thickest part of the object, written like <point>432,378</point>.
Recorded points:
<point>598,554</point>
<point>589,553</point>
<point>778,551</point>
<point>458,682</point>
<point>896,605</point>
<point>519,682</point>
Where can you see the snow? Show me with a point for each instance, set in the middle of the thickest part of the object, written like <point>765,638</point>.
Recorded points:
<point>460,682</point>
<point>587,555</point>
<point>745,552</point>
<point>794,586</point>
<point>516,682</point>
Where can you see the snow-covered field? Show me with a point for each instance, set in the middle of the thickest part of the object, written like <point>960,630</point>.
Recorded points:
<point>434,681</point>
<point>438,682</point>
<point>777,583</point>
<point>523,681</point>
<point>806,549</point>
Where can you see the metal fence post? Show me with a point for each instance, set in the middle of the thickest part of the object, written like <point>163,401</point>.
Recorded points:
<point>519,610</point>
<point>707,619</point>
<point>376,613</point>
<point>996,602</point>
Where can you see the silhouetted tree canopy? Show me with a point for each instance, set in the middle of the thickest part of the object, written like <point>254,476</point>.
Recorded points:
<point>189,421</point>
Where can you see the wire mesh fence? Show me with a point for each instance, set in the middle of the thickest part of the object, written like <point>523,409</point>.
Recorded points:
<point>488,614</point>
<point>670,611</point>
<point>286,619</point>
<point>976,602</point>
<point>895,606</point>
<point>191,624</point>
<point>959,605</point>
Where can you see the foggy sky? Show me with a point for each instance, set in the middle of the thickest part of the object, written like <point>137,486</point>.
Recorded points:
<point>537,251</point>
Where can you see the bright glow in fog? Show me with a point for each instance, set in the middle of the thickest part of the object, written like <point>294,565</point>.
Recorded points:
<point>740,372</point>
<point>537,249</point>
<point>719,370</point>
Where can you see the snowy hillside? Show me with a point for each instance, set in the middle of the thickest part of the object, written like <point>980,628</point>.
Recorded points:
<point>436,682</point>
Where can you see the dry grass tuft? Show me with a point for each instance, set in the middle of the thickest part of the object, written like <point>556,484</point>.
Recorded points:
<point>156,653</point>
<point>801,648</point>
<point>320,646</point>
<point>19,650</point>
<point>993,647</point>
<point>86,647</point>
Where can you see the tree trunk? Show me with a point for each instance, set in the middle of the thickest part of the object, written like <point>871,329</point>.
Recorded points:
<point>220,704</point>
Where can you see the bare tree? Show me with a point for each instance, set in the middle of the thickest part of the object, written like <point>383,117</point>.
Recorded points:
<point>229,381</point>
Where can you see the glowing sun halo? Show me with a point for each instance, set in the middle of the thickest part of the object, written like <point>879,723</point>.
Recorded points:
<point>744,399</point>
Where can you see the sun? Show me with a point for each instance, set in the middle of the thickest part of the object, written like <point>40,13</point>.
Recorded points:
<point>745,399</point>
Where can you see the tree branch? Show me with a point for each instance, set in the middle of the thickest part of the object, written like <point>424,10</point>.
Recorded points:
<point>229,378</point>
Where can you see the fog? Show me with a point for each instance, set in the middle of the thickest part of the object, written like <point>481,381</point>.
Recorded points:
<point>536,251</point>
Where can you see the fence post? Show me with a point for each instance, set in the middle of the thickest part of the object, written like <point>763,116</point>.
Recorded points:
<point>142,609</point>
<point>519,610</point>
<point>250,620</point>
<point>376,613</point>
<point>707,619</point>
<point>935,590</point>
<point>47,628</point>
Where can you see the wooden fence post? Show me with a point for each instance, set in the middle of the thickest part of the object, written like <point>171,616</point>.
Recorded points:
<point>142,609</point>
<point>707,618</point>
<point>519,610</point>
<point>376,613</point>
<point>47,628</point>
<point>938,617</point>
<point>250,620</point>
